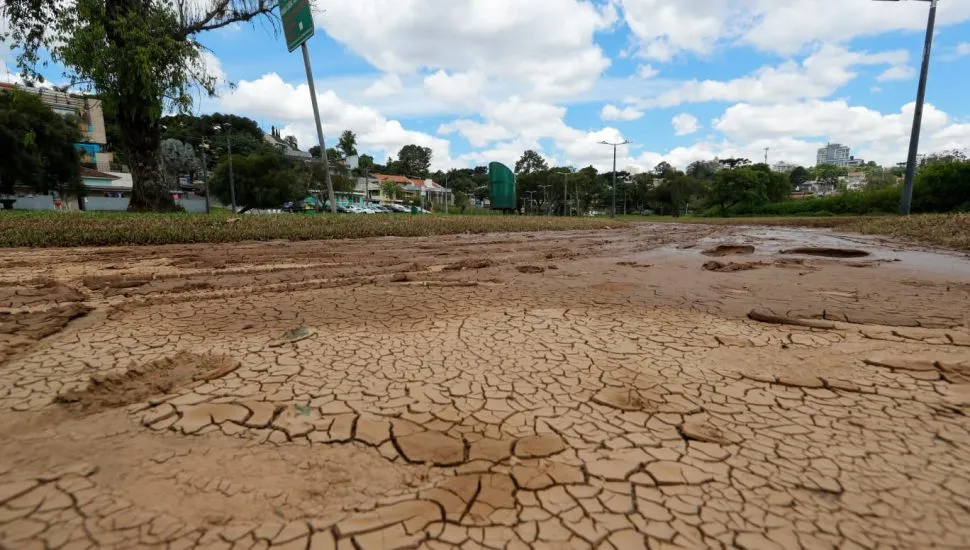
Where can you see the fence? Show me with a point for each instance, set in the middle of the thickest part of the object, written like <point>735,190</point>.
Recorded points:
<point>105,204</point>
<point>40,202</point>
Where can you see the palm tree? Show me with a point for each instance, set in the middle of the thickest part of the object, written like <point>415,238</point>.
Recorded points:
<point>347,143</point>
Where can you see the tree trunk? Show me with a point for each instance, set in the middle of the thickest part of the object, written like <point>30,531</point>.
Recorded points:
<point>138,111</point>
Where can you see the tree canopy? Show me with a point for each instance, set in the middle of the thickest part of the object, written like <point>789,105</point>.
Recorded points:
<point>264,180</point>
<point>38,146</point>
<point>140,56</point>
<point>530,162</point>
<point>347,144</point>
<point>413,160</point>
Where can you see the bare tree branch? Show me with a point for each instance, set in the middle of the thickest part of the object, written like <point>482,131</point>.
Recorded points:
<point>227,12</point>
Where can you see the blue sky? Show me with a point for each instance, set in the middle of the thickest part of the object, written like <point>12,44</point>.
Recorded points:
<point>482,80</point>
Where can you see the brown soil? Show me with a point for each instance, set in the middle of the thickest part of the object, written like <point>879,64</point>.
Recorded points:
<point>474,263</point>
<point>730,250</point>
<point>138,383</point>
<point>37,292</point>
<point>598,404</point>
<point>731,267</point>
<point>827,252</point>
<point>40,324</point>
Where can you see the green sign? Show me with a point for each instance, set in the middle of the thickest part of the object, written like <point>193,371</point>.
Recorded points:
<point>297,22</point>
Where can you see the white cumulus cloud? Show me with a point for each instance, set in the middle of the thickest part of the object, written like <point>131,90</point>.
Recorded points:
<point>612,112</point>
<point>685,124</point>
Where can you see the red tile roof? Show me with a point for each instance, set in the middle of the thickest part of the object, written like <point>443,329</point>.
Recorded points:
<point>92,173</point>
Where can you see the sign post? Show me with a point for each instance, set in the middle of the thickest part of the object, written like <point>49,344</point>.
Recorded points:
<point>298,28</point>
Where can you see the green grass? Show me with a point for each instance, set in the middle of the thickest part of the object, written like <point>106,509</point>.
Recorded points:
<point>48,229</point>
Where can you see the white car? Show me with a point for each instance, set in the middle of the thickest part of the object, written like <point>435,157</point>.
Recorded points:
<point>357,209</point>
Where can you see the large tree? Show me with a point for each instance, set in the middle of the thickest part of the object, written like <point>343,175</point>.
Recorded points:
<point>178,159</point>
<point>140,56</point>
<point>37,146</point>
<point>414,160</point>
<point>530,162</point>
<point>799,175</point>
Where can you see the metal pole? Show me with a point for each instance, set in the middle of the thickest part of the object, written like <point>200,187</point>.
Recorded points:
<point>565,193</point>
<point>613,215</point>
<point>906,200</point>
<point>316,118</point>
<point>205,176</point>
<point>232,181</point>
<point>446,193</point>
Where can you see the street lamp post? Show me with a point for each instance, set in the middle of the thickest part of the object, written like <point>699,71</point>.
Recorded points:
<point>232,180</point>
<point>906,200</point>
<point>205,172</point>
<point>614,146</point>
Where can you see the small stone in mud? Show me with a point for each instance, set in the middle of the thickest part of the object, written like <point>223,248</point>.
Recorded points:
<point>729,250</point>
<point>400,278</point>
<point>530,269</point>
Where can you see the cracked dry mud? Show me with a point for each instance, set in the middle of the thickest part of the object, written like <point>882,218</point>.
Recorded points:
<point>618,397</point>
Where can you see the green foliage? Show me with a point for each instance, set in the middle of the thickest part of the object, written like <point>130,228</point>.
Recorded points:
<point>879,178</point>
<point>37,146</point>
<point>246,136</point>
<point>348,143</point>
<point>851,202</point>
<point>414,161</point>
<point>943,186</point>
<point>799,175</point>
<point>178,159</point>
<point>530,162</point>
<point>829,175</point>
<point>462,202</point>
<point>139,55</point>
<point>262,181</point>
<point>391,189</point>
<point>749,185</point>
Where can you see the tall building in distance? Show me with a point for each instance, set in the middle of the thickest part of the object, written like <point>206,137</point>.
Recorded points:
<point>835,154</point>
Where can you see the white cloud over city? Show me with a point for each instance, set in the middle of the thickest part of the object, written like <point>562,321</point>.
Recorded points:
<point>480,81</point>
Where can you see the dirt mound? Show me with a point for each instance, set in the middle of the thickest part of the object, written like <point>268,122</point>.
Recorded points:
<point>729,250</point>
<point>530,269</point>
<point>102,282</point>
<point>827,252</point>
<point>40,324</point>
<point>37,291</point>
<point>138,383</point>
<point>471,263</point>
<point>719,267</point>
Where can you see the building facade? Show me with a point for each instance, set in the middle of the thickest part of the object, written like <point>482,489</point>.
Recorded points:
<point>835,154</point>
<point>90,117</point>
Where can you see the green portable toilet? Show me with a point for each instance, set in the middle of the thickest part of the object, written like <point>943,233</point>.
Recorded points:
<point>501,187</point>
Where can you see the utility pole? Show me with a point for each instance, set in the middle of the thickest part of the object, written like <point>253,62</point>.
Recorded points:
<point>614,146</point>
<point>906,200</point>
<point>545,200</point>
<point>532,201</point>
<point>232,180</point>
<point>766,154</point>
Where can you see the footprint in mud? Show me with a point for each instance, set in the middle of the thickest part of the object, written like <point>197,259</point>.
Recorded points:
<point>719,267</point>
<point>729,250</point>
<point>530,269</point>
<point>827,252</point>
<point>138,383</point>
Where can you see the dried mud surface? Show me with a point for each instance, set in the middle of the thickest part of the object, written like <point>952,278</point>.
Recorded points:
<point>544,390</point>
